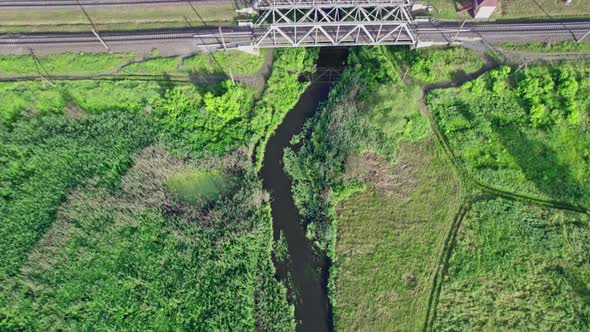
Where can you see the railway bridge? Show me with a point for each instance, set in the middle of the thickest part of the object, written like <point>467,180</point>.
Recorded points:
<point>301,23</point>
<point>288,23</point>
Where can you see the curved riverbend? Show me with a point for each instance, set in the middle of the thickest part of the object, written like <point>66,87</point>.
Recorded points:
<point>306,269</point>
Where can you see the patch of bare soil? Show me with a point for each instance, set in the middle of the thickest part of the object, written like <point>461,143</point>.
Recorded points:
<point>73,111</point>
<point>393,179</point>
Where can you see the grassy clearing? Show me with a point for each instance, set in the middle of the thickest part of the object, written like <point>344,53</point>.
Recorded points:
<point>89,243</point>
<point>515,268</point>
<point>217,63</point>
<point>388,241</point>
<point>197,186</point>
<point>525,132</point>
<point>130,18</point>
<point>513,9</point>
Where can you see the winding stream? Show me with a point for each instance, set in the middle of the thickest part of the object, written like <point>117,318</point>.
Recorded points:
<point>306,269</point>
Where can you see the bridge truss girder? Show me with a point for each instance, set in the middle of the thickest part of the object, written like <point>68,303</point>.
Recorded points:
<point>340,34</point>
<point>318,14</point>
<point>306,23</point>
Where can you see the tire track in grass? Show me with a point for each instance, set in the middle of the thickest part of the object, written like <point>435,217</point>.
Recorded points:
<point>486,192</point>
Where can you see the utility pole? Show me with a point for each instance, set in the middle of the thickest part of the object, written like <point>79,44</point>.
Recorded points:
<point>93,29</point>
<point>458,31</point>
<point>586,35</point>
<point>41,69</point>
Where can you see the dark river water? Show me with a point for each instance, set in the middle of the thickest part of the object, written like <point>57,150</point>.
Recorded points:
<point>307,270</point>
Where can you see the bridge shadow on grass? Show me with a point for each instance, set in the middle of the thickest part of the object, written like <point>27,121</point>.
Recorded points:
<point>541,165</point>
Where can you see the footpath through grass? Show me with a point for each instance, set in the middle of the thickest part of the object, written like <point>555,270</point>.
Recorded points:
<point>93,235</point>
<point>517,267</point>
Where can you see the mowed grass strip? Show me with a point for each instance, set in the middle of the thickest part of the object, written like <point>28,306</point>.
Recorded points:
<point>517,268</point>
<point>121,18</point>
<point>512,9</point>
<point>388,244</point>
<point>66,63</point>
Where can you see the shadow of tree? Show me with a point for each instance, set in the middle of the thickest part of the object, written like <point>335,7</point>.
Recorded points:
<point>540,164</point>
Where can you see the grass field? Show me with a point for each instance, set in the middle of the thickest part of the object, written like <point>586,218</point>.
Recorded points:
<point>150,17</point>
<point>515,9</point>
<point>388,241</point>
<point>517,268</point>
<point>217,63</point>
<point>549,47</point>
<point>105,225</point>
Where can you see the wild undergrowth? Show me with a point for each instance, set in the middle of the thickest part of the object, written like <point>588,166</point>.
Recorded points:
<point>94,237</point>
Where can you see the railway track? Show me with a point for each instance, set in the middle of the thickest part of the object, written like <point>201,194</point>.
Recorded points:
<point>200,35</point>
<point>69,4</point>
<point>231,37</point>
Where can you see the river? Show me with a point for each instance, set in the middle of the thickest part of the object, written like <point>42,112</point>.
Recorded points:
<point>307,270</point>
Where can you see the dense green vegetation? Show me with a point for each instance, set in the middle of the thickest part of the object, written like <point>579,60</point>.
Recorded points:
<point>524,132</point>
<point>90,243</point>
<point>370,109</point>
<point>349,171</point>
<point>516,268</point>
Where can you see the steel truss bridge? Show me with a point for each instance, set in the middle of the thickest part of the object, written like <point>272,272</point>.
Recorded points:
<point>303,23</point>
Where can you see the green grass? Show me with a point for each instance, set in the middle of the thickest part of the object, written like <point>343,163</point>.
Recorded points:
<point>197,186</point>
<point>549,47</point>
<point>525,133</point>
<point>515,268</point>
<point>388,243</point>
<point>67,63</point>
<point>216,63</point>
<point>131,18</point>
<point>514,9</point>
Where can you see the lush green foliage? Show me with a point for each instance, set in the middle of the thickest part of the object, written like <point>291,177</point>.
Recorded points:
<point>84,250</point>
<point>517,268</point>
<point>138,259</point>
<point>360,115</point>
<point>525,133</point>
<point>41,158</point>
<point>427,66</point>
<point>92,96</point>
